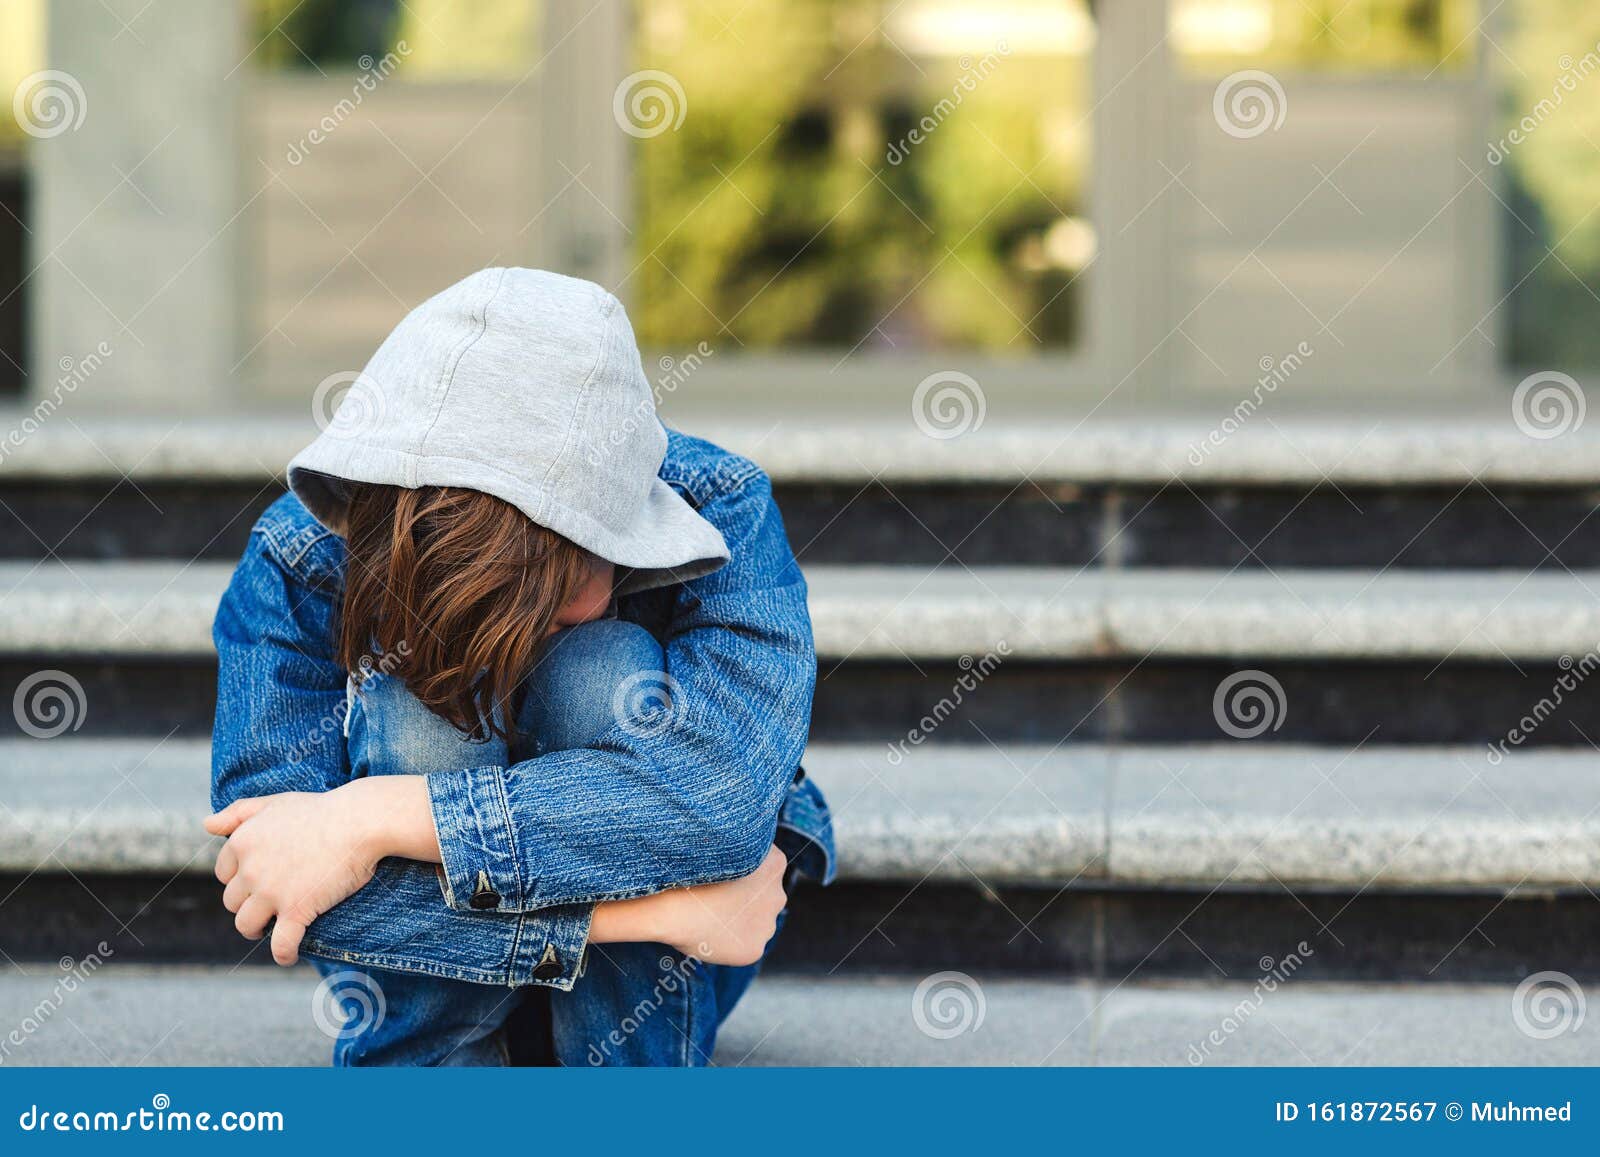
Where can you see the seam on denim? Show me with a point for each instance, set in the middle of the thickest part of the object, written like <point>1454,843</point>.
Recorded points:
<point>516,946</point>
<point>447,377</point>
<point>523,897</point>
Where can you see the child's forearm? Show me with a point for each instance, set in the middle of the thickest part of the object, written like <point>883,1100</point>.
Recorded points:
<point>395,816</point>
<point>725,923</point>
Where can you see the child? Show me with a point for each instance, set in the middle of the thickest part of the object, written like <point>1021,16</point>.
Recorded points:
<point>513,690</point>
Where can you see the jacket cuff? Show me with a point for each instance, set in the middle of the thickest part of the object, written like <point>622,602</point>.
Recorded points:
<point>551,947</point>
<point>473,822</point>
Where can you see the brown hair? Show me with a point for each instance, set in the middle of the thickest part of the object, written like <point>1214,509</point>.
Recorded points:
<point>457,590</point>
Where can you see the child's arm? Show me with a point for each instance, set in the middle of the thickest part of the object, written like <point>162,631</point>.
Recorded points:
<point>293,856</point>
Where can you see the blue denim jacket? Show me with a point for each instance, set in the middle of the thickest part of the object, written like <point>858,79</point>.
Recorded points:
<point>630,815</point>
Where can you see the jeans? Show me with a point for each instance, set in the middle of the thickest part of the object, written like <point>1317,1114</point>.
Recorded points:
<point>634,1004</point>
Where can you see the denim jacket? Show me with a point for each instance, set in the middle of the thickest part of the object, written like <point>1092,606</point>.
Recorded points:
<point>630,815</point>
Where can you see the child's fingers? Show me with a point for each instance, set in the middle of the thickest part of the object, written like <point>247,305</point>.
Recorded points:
<point>235,894</point>
<point>253,917</point>
<point>286,937</point>
<point>230,817</point>
<point>227,864</point>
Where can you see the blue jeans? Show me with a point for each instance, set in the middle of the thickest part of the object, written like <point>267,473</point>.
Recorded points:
<point>634,1004</point>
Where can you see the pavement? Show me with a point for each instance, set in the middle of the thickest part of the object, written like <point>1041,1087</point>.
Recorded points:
<point>191,1015</point>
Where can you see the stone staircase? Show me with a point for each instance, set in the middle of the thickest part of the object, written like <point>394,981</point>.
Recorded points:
<point>1092,718</point>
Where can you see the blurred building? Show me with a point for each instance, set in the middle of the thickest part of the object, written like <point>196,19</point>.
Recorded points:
<point>1142,199</point>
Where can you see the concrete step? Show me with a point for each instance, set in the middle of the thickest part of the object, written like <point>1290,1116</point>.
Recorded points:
<point>133,1015</point>
<point>1386,445</point>
<point>1202,817</point>
<point>1468,490</point>
<point>164,609</point>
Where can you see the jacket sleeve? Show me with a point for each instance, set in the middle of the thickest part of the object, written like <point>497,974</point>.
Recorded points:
<point>280,727</point>
<point>690,799</point>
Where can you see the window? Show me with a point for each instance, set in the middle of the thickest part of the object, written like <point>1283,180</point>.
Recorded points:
<point>394,147</point>
<point>858,178</point>
<point>21,57</point>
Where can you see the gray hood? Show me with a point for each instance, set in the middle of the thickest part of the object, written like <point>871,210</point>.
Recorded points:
<point>526,385</point>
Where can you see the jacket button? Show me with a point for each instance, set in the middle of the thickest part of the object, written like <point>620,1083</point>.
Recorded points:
<point>549,968</point>
<point>484,897</point>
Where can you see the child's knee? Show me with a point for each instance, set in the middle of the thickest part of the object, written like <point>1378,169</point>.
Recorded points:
<point>390,732</point>
<point>589,678</point>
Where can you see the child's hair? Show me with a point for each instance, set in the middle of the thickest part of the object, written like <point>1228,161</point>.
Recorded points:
<point>456,590</point>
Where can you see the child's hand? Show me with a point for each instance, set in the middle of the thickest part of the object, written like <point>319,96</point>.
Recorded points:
<point>726,923</point>
<point>290,858</point>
